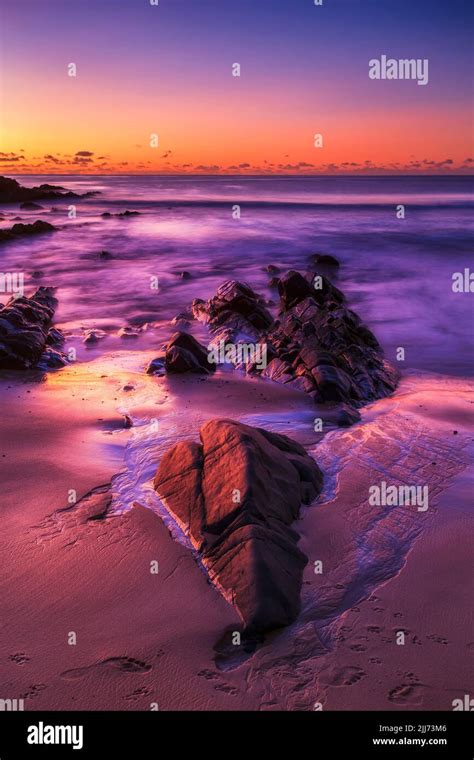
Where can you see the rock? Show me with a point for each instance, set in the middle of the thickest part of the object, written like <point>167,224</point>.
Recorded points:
<point>105,255</point>
<point>317,345</point>
<point>108,215</point>
<point>54,337</point>
<point>93,336</point>
<point>127,332</point>
<point>246,543</point>
<point>325,260</point>
<point>185,354</point>
<point>22,230</point>
<point>51,358</point>
<point>294,288</point>
<point>30,206</point>
<point>12,192</point>
<point>347,416</point>
<point>24,329</point>
<point>236,314</point>
<point>183,316</point>
<point>272,269</point>
<point>184,275</point>
<point>156,366</point>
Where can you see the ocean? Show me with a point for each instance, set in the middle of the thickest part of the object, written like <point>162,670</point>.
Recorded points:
<point>396,272</point>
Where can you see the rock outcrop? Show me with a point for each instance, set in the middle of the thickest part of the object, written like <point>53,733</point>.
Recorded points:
<point>185,354</point>
<point>24,230</point>
<point>26,335</point>
<point>12,192</point>
<point>317,344</point>
<point>235,495</point>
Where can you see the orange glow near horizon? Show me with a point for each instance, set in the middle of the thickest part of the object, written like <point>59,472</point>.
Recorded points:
<point>181,88</point>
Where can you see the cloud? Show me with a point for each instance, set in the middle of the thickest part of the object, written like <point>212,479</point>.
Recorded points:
<point>84,153</point>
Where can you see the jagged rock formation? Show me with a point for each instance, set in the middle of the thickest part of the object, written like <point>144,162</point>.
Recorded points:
<point>317,344</point>
<point>26,335</point>
<point>235,495</point>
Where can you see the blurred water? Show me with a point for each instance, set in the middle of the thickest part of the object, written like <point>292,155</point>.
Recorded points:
<point>396,273</point>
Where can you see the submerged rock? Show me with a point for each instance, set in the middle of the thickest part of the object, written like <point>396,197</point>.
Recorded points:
<point>24,330</point>
<point>185,354</point>
<point>30,206</point>
<point>235,495</point>
<point>23,230</point>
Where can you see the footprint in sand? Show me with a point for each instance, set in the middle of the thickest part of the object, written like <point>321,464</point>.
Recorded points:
<point>137,694</point>
<point>33,691</point>
<point>344,676</point>
<point>121,664</point>
<point>407,694</point>
<point>438,639</point>
<point>226,688</point>
<point>19,657</point>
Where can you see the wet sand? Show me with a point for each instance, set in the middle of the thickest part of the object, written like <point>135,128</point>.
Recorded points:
<point>146,639</point>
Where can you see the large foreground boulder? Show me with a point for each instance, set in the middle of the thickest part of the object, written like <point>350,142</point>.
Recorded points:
<point>25,330</point>
<point>235,495</point>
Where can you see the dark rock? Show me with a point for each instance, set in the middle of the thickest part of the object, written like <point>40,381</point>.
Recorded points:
<point>105,255</point>
<point>272,269</point>
<point>93,336</point>
<point>22,230</point>
<point>54,337</point>
<point>12,192</point>
<point>183,316</point>
<point>236,313</point>
<point>156,366</point>
<point>317,344</point>
<point>51,358</point>
<point>185,354</point>
<point>24,329</point>
<point>326,260</point>
<point>108,215</point>
<point>236,495</point>
<point>30,206</point>
<point>128,333</point>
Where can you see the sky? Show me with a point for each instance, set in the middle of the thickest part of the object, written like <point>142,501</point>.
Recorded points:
<point>167,70</point>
